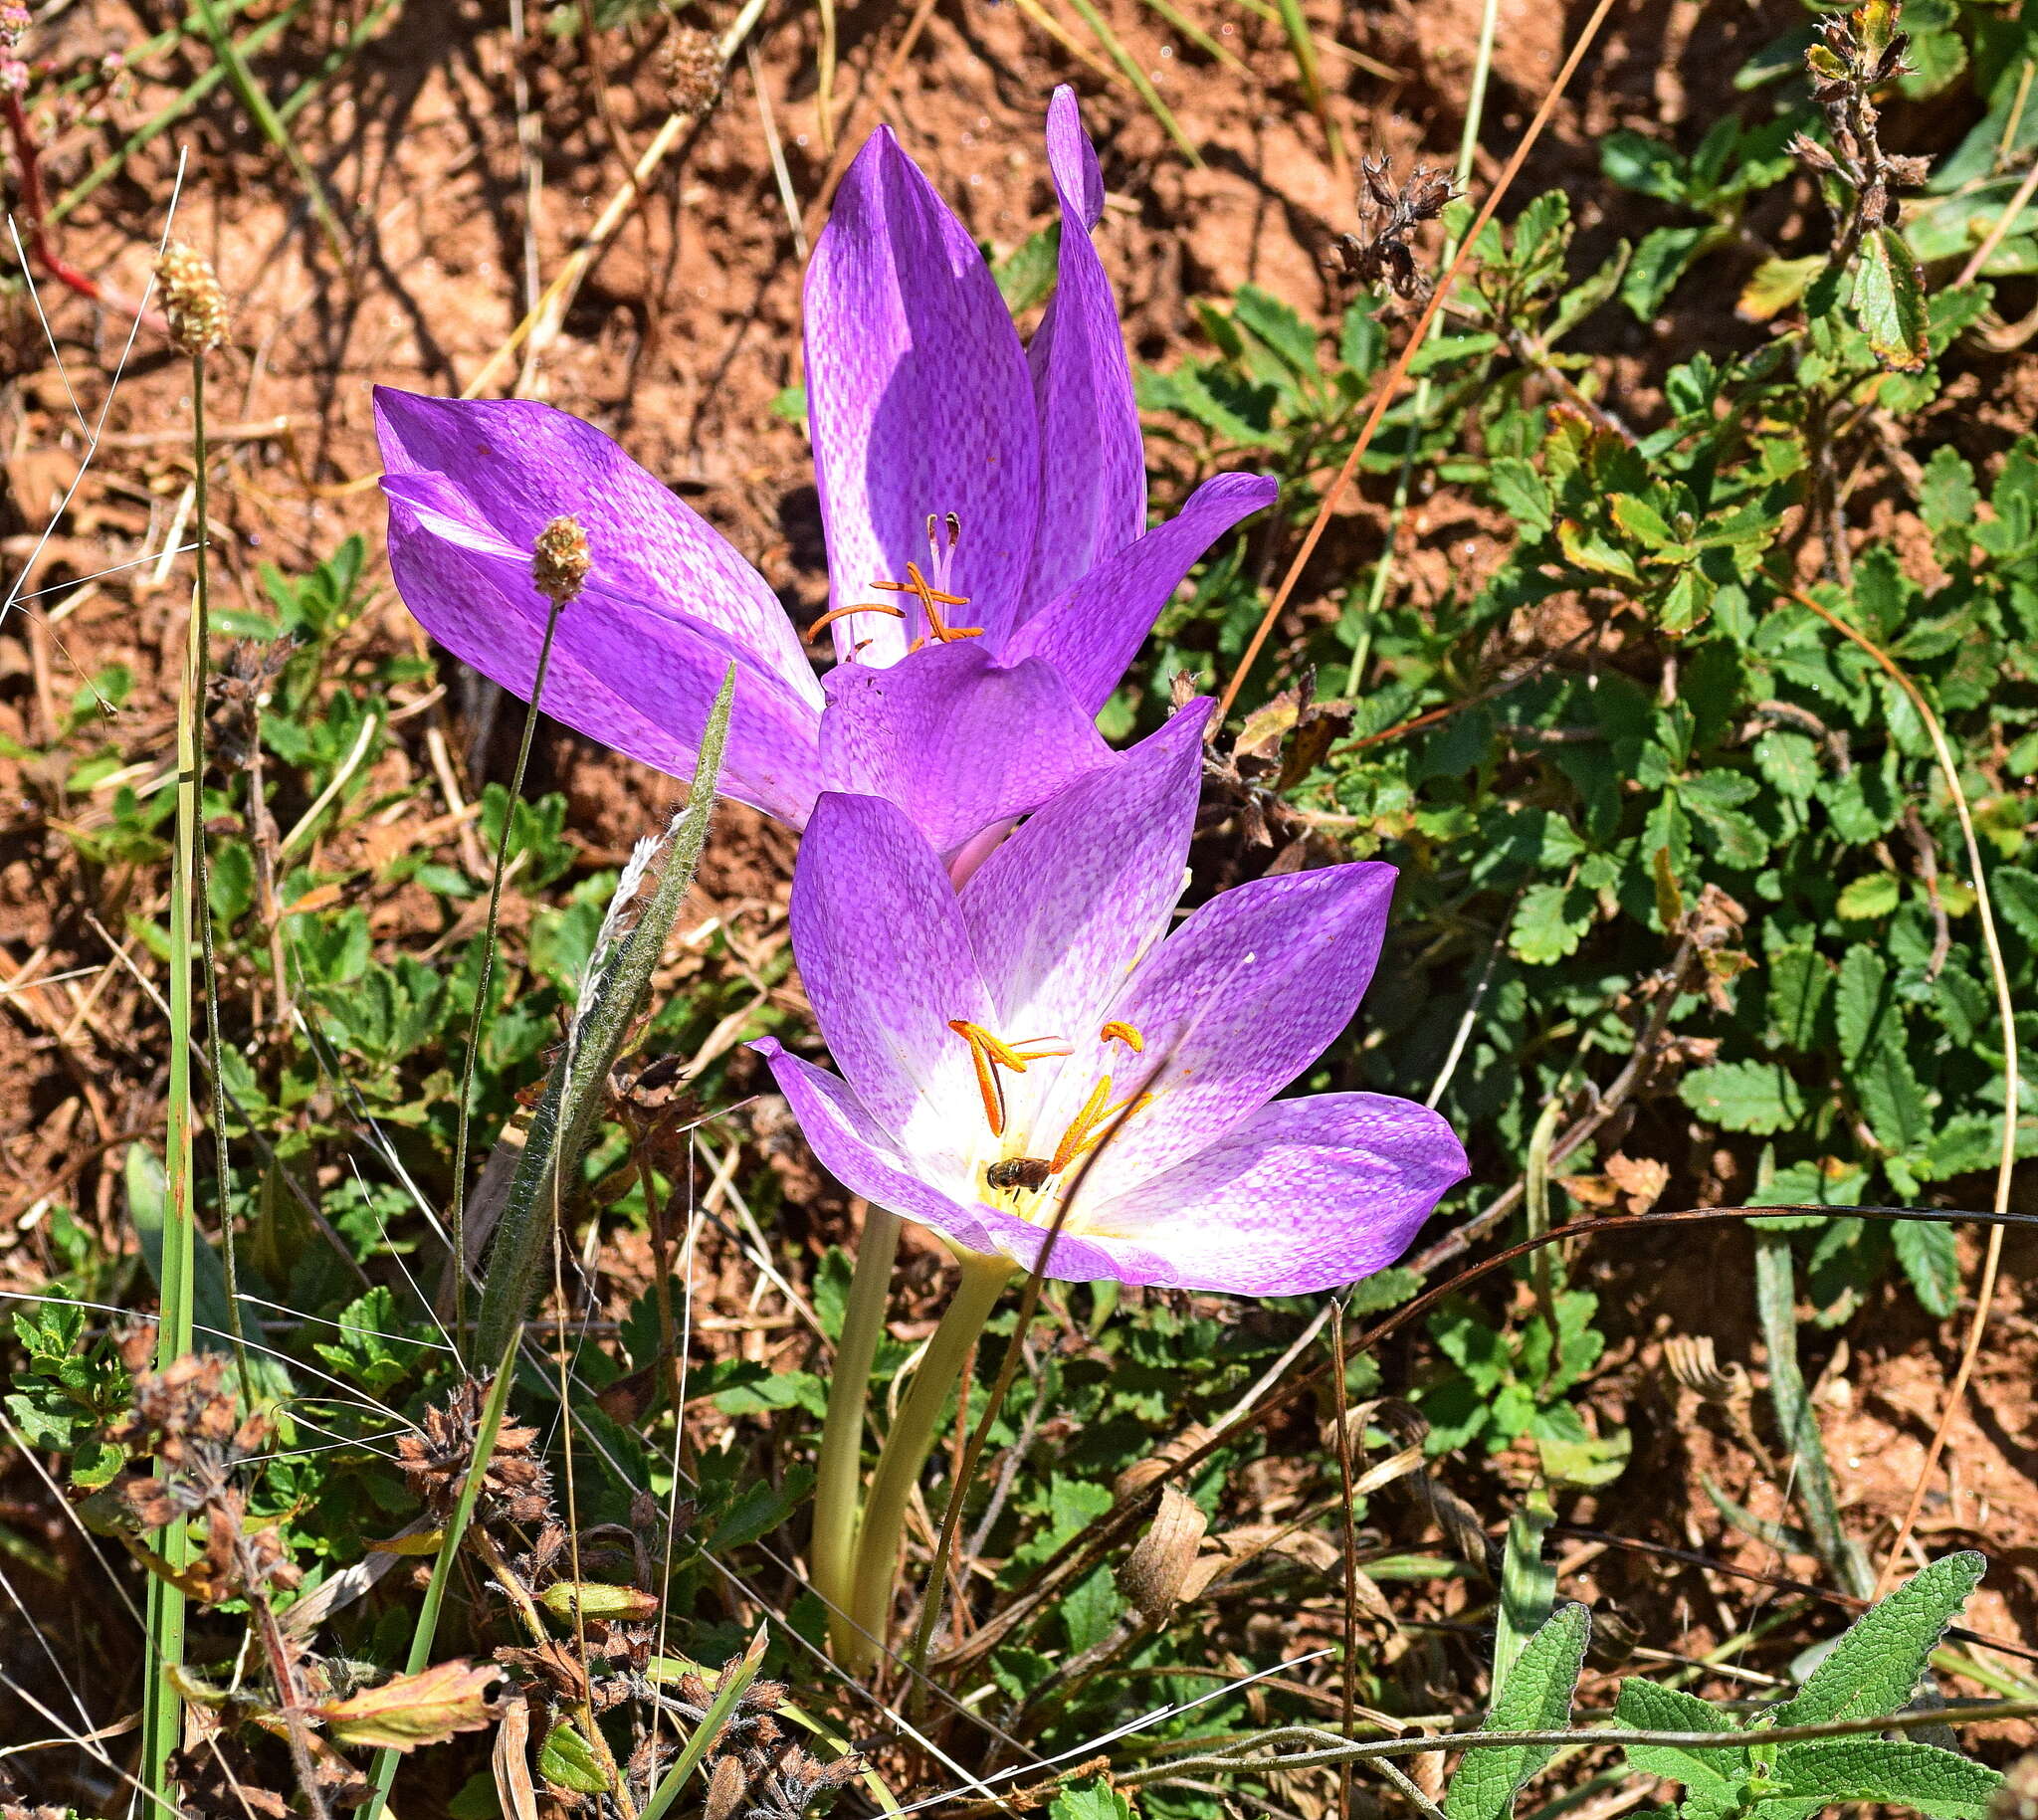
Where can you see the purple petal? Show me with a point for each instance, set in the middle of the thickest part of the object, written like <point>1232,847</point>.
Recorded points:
<point>1095,630</point>
<point>956,738</point>
<point>1233,1006</point>
<point>859,1154</point>
<point>919,402</point>
<point>1308,1194</point>
<point>640,681</point>
<point>1062,909</point>
<point>515,466</point>
<point>1093,487</point>
<point>885,961</point>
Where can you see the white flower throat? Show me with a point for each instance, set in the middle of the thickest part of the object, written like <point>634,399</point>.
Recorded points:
<point>1009,1171</point>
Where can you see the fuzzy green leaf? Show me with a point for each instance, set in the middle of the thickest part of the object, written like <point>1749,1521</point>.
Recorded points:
<point>1876,1665</point>
<point>1536,1696</point>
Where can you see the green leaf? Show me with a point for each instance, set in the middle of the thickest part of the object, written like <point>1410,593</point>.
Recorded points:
<point>1027,275</point>
<point>1927,1251</point>
<point>1522,494</point>
<point>1660,261</point>
<point>1889,297</point>
<point>1550,922</point>
<point>1536,1696</point>
<point>1789,761</point>
<point>1937,1782</point>
<point>1946,496</point>
<point>1527,1586</point>
<point>1874,894</point>
<point>1876,1665</point>
<point>1089,1802</point>
<point>577,1087</point>
<point>1891,1095</point>
<point>1861,1002</point>
<point>1267,319</point>
<point>1642,1706</point>
<point>1743,1096</point>
<point>567,1758</point>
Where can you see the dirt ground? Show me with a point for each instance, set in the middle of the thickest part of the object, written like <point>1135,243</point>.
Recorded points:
<point>462,159</point>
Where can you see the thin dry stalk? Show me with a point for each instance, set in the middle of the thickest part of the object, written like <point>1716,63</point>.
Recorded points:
<point>1383,396</point>
<point>2006,1162</point>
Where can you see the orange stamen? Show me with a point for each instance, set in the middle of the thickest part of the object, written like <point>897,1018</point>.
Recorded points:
<point>930,600</point>
<point>1126,1034</point>
<point>990,1053</point>
<point>1093,1124</point>
<point>868,606</point>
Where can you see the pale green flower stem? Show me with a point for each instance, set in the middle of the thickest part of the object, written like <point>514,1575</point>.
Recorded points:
<point>859,1644</point>
<point>838,1476</point>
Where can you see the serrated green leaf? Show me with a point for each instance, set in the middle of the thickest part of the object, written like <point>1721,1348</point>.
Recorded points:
<point>1874,894</point>
<point>1642,1706</point>
<point>1876,1665</point>
<point>1931,1260</point>
<point>1089,1802</point>
<point>1890,1093</point>
<point>1861,1007</point>
<point>1550,922</point>
<point>1536,1696</point>
<point>1743,1096</point>
<point>1935,1782</point>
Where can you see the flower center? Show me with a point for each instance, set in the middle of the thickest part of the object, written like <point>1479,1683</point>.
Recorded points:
<point>1016,1175</point>
<point>931,596</point>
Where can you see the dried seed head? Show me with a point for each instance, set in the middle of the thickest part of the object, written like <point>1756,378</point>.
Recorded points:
<point>559,561</point>
<point>693,70</point>
<point>725,1789</point>
<point>192,300</point>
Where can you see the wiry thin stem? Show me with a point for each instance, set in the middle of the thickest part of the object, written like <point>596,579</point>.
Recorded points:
<point>487,969</point>
<point>202,662</point>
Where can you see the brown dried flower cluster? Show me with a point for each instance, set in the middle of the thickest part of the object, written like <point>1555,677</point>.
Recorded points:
<point>435,1460</point>
<point>693,69</point>
<point>193,303</point>
<point>561,560</point>
<point>1387,217</point>
<point>186,1417</point>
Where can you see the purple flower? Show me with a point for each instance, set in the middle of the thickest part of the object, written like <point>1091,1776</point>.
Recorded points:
<point>984,506</point>
<point>1039,1032</point>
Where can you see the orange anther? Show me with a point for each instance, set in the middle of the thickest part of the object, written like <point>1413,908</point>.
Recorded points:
<point>1127,1034</point>
<point>932,599</point>
<point>1093,1124</point>
<point>989,1054</point>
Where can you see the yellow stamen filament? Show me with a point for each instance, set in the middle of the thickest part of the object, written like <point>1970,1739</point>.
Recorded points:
<point>1127,1034</point>
<point>1093,1124</point>
<point>990,1053</point>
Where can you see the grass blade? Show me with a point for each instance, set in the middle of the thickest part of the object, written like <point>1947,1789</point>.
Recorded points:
<point>163,1711</point>
<point>707,1731</point>
<point>384,1773</point>
<point>1139,79</point>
